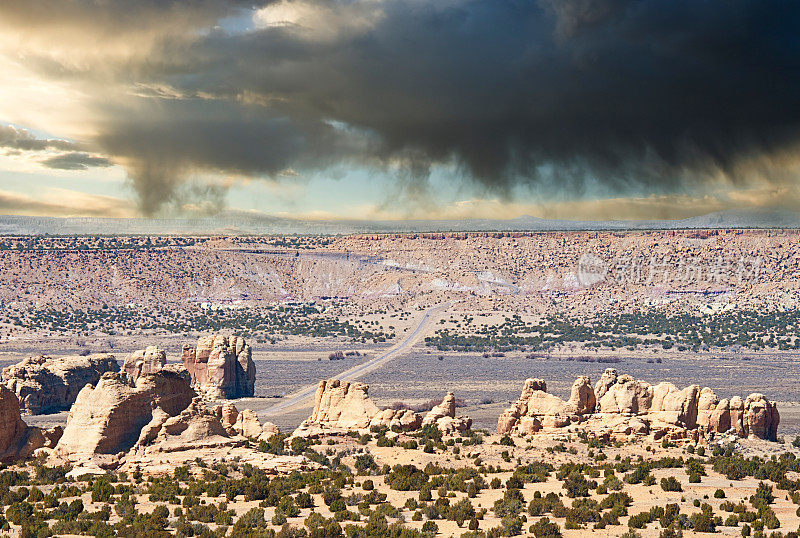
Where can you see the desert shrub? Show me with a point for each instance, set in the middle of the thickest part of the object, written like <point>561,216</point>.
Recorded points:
<point>762,496</point>
<point>671,484</point>
<point>576,485</point>
<point>544,528</point>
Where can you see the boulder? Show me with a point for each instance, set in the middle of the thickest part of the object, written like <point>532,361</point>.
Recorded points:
<point>50,384</point>
<point>510,418</point>
<point>339,404</point>
<point>245,423</point>
<point>404,419</point>
<point>443,416</point>
<point>194,427</point>
<point>150,360</point>
<point>760,417</point>
<point>626,395</point>
<point>536,409</point>
<point>220,367</point>
<point>108,419</point>
<point>675,407</point>
<point>17,439</point>
<point>605,382</point>
<point>707,403</point>
<point>720,419</point>
<point>582,398</point>
<point>737,416</point>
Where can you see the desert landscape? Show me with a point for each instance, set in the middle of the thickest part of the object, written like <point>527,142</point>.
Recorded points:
<point>485,384</point>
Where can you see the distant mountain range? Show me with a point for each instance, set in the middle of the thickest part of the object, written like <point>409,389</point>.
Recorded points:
<point>236,223</point>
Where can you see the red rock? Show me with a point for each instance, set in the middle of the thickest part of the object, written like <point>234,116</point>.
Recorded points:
<point>220,367</point>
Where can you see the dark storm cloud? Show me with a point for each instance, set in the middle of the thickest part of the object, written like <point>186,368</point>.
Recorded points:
<point>68,155</point>
<point>636,95</point>
<point>76,160</point>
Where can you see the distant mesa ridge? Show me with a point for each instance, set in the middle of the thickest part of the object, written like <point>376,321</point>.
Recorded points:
<point>234,223</point>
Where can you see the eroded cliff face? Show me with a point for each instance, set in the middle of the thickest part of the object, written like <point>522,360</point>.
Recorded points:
<point>340,405</point>
<point>17,439</point>
<point>49,384</point>
<point>620,405</point>
<point>150,360</point>
<point>108,419</point>
<point>220,367</point>
<point>155,423</point>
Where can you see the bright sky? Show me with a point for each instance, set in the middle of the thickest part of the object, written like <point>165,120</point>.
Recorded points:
<point>394,109</point>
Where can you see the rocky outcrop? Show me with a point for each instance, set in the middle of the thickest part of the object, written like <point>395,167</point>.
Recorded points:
<point>154,424</point>
<point>620,405</point>
<point>17,439</point>
<point>108,419</point>
<point>536,409</point>
<point>51,384</point>
<point>245,423</point>
<point>150,360</point>
<point>220,367</point>
<point>443,416</point>
<point>194,427</point>
<point>339,405</point>
<point>761,418</point>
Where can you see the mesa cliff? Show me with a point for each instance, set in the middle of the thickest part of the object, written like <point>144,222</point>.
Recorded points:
<point>619,406</point>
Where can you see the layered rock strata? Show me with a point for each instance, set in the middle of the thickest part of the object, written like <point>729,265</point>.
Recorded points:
<point>50,384</point>
<point>620,405</point>
<point>220,367</point>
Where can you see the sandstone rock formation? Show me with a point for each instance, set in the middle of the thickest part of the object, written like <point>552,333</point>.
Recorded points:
<point>108,419</point>
<point>194,427</point>
<point>150,360</point>
<point>443,416</point>
<point>17,439</point>
<point>245,423</point>
<point>50,384</point>
<point>620,405</point>
<point>154,424</point>
<point>220,367</point>
<point>347,406</point>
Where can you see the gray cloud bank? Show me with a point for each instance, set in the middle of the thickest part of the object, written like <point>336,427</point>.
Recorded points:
<point>631,95</point>
<point>68,154</point>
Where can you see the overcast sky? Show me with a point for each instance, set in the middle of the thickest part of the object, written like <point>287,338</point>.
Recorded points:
<point>578,109</point>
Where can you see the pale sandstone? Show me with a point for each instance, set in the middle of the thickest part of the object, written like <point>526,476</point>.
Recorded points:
<point>620,405</point>
<point>245,423</point>
<point>108,419</point>
<point>49,384</point>
<point>340,405</point>
<point>443,416</point>
<point>193,428</point>
<point>150,360</point>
